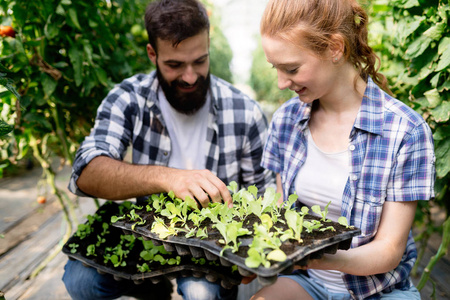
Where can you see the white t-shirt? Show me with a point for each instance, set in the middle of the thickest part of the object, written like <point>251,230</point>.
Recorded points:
<point>320,180</point>
<point>187,134</point>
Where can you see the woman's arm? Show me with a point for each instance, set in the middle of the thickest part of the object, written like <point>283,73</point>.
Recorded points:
<point>381,255</point>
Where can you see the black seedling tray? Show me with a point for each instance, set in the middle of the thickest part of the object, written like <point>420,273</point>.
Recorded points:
<point>210,249</point>
<point>212,273</point>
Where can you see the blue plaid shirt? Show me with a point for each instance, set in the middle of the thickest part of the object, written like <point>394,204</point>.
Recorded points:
<point>392,159</point>
<point>130,115</point>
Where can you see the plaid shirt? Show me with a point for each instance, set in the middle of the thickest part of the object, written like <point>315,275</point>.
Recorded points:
<point>130,114</point>
<point>392,159</point>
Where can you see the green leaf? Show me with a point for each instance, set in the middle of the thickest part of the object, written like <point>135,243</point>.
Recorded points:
<point>74,17</point>
<point>406,28</point>
<point>276,255</point>
<point>441,113</point>
<point>5,128</point>
<point>445,86</point>
<point>435,80</point>
<point>411,3</point>
<point>51,28</point>
<point>76,58</point>
<point>441,133</point>
<point>433,97</point>
<point>435,32</point>
<point>442,161</point>
<point>102,77</point>
<point>49,84</point>
<point>417,47</point>
<point>444,60</point>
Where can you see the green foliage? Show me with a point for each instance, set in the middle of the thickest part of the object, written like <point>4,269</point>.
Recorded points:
<point>64,59</point>
<point>412,38</point>
<point>263,80</point>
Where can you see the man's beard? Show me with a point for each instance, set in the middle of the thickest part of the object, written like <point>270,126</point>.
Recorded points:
<point>186,103</point>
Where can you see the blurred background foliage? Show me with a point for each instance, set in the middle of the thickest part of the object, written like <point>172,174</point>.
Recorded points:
<point>59,58</point>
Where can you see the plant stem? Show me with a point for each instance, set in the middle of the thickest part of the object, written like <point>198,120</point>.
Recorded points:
<point>442,251</point>
<point>49,175</point>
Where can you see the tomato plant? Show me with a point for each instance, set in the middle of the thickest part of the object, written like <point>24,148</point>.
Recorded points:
<point>61,61</point>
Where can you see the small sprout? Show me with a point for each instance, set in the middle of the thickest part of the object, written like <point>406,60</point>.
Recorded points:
<point>343,221</point>
<point>330,228</point>
<point>91,250</point>
<point>312,225</point>
<point>323,214</point>
<point>143,268</point>
<point>73,247</point>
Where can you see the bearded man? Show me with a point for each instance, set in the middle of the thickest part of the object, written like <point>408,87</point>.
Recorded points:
<point>189,132</point>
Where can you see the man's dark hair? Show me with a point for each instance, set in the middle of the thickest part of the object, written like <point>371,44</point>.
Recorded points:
<point>175,20</point>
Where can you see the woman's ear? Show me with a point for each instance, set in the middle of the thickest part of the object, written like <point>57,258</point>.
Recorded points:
<point>151,54</point>
<point>337,47</point>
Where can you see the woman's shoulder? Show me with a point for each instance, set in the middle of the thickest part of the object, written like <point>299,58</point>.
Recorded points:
<point>293,109</point>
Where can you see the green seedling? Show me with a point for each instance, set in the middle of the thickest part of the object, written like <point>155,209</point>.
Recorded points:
<point>330,228</point>
<point>323,213</point>
<point>312,225</point>
<point>230,233</point>
<point>198,261</point>
<point>343,221</point>
<point>91,250</point>
<point>73,247</point>
<point>144,268</point>
<point>255,259</point>
<point>162,230</point>
<point>100,240</point>
<point>295,222</point>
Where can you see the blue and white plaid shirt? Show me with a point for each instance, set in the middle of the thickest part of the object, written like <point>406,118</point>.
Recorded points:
<point>130,115</point>
<point>392,159</point>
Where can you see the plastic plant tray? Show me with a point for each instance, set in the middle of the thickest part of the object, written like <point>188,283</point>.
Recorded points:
<point>213,273</point>
<point>209,249</point>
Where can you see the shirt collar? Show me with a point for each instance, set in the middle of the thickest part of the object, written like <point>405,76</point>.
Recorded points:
<point>370,117</point>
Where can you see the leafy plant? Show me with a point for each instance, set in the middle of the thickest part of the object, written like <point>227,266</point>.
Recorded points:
<point>343,221</point>
<point>323,213</point>
<point>91,250</point>
<point>73,247</point>
<point>295,222</point>
<point>230,233</point>
<point>412,39</point>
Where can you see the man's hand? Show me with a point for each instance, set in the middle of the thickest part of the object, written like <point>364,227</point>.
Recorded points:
<point>201,185</point>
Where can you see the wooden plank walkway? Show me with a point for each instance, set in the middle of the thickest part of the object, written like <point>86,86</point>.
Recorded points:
<point>32,230</point>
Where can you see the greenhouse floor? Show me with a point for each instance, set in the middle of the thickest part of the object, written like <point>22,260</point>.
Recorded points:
<point>31,230</point>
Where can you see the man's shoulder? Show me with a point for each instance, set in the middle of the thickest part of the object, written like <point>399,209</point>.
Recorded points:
<point>137,82</point>
<point>228,95</point>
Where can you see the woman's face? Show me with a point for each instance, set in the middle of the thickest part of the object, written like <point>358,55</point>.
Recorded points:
<point>310,76</point>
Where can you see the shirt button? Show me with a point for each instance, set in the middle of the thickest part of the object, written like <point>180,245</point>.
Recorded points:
<point>353,177</point>
<point>165,153</point>
<point>352,147</point>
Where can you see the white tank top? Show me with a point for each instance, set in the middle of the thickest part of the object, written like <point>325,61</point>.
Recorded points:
<point>320,180</point>
<point>187,134</point>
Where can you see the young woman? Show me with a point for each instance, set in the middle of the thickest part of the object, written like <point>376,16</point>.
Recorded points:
<point>344,139</point>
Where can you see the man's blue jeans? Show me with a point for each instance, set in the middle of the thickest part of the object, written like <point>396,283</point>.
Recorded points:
<point>86,283</point>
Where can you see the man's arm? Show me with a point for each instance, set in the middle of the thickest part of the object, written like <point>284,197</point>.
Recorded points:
<point>111,179</point>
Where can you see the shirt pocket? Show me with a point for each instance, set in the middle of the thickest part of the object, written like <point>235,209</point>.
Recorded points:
<point>366,213</point>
